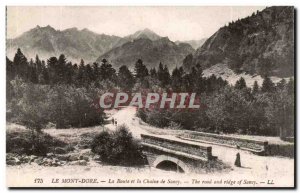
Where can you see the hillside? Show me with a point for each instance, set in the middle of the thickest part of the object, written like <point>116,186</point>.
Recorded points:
<point>152,52</point>
<point>223,71</point>
<point>259,44</point>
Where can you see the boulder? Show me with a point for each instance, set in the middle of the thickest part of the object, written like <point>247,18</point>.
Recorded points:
<point>62,163</point>
<point>82,162</point>
<point>74,157</point>
<point>25,159</point>
<point>87,152</point>
<point>59,150</point>
<point>78,162</point>
<point>39,161</point>
<point>33,157</point>
<point>63,157</point>
<point>11,162</point>
<point>74,162</point>
<point>50,154</point>
<point>86,158</point>
<point>18,162</point>
<point>96,157</point>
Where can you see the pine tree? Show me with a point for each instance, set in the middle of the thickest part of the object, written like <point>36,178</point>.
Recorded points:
<point>52,66</point>
<point>267,85</point>
<point>96,71</point>
<point>21,65</point>
<point>107,72</point>
<point>140,70</point>
<point>197,75</point>
<point>240,84</point>
<point>38,64</point>
<point>69,73</point>
<point>153,73</point>
<point>163,75</point>
<point>255,88</point>
<point>125,78</point>
<point>33,76</point>
<point>176,79</point>
<point>88,75</point>
<point>80,74</point>
<point>167,76</point>
<point>61,68</point>
<point>160,72</point>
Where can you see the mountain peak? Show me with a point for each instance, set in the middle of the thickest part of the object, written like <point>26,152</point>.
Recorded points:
<point>145,33</point>
<point>49,27</point>
<point>147,30</point>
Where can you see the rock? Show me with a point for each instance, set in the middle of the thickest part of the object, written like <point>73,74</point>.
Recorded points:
<point>18,162</point>
<point>60,150</point>
<point>10,157</point>
<point>96,157</point>
<point>50,154</point>
<point>54,163</point>
<point>25,159</point>
<point>63,157</point>
<point>87,152</point>
<point>83,146</point>
<point>78,162</point>
<point>86,158</point>
<point>39,161</point>
<point>11,162</point>
<point>46,161</point>
<point>63,163</point>
<point>82,162</point>
<point>74,157</point>
<point>33,157</point>
<point>74,163</point>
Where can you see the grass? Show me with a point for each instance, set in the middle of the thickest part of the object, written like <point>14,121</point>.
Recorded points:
<point>20,140</point>
<point>76,136</point>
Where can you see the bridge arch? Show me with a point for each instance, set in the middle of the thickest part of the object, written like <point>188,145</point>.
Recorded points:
<point>163,158</point>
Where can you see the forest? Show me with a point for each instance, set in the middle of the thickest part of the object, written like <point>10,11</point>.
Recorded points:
<point>61,94</point>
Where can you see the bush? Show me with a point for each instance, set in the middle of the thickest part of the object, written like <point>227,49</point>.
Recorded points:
<point>118,148</point>
<point>34,106</point>
<point>30,143</point>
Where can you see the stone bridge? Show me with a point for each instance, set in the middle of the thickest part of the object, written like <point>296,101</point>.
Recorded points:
<point>171,153</point>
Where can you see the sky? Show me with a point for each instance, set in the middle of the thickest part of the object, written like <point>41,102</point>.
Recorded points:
<point>178,23</point>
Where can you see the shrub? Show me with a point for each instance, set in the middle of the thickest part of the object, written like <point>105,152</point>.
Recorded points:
<point>118,148</point>
<point>34,106</point>
<point>31,143</point>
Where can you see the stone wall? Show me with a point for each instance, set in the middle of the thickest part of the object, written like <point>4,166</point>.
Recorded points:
<point>177,145</point>
<point>246,144</point>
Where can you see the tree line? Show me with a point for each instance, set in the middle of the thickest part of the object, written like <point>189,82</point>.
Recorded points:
<point>63,94</point>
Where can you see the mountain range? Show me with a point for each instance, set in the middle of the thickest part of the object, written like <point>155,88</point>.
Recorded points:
<point>152,52</point>
<point>89,46</point>
<point>260,44</point>
<point>74,43</point>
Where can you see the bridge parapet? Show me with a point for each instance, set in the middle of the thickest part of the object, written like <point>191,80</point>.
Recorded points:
<point>255,146</point>
<point>178,145</point>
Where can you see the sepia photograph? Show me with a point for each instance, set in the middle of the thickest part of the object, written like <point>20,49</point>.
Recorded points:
<point>150,97</point>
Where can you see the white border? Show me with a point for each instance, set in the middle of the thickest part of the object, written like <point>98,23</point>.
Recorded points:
<point>3,3</point>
